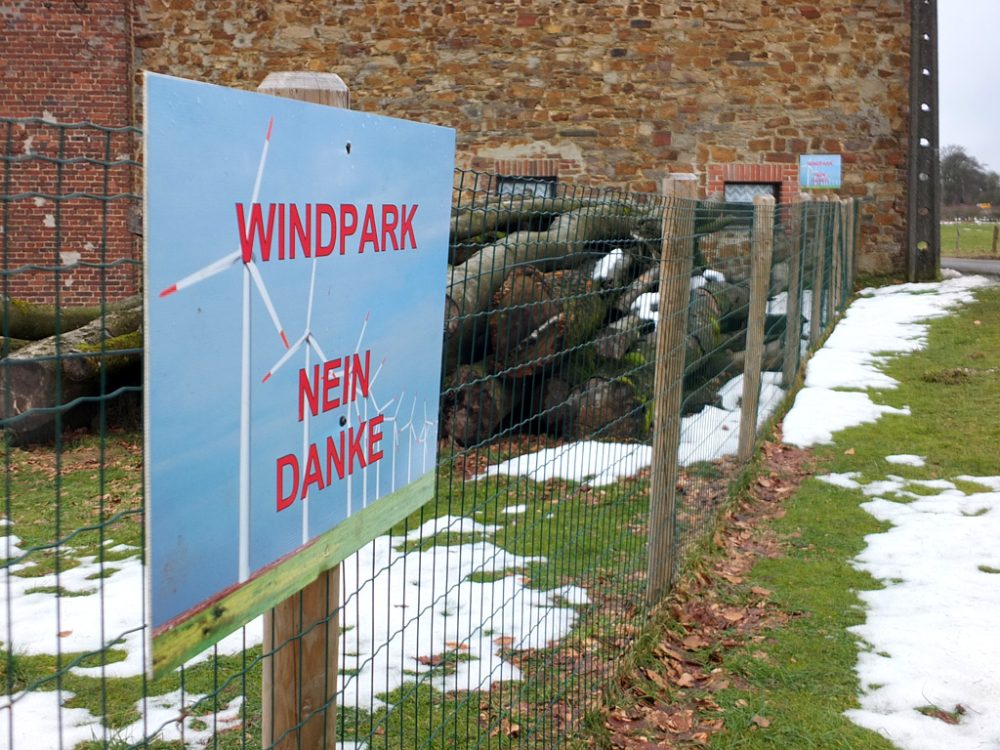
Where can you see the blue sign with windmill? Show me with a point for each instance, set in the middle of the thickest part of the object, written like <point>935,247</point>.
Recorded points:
<point>296,259</point>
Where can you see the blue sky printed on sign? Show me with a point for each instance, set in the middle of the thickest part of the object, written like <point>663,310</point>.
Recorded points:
<point>203,150</point>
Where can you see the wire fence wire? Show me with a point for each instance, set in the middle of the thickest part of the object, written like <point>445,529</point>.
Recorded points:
<point>497,614</point>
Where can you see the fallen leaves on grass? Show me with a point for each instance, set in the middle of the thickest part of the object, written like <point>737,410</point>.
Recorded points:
<point>670,704</point>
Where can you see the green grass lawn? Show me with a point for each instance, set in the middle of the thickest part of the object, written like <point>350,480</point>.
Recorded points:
<point>966,240</point>
<point>802,676</point>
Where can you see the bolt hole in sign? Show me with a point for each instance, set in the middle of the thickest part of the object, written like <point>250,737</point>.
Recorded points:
<point>294,299</point>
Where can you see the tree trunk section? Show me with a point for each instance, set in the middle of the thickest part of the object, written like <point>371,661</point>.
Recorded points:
<point>539,317</point>
<point>33,321</point>
<point>475,405</point>
<point>41,377</point>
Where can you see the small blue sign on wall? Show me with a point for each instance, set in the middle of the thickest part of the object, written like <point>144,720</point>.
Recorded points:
<point>820,171</point>
<point>296,259</point>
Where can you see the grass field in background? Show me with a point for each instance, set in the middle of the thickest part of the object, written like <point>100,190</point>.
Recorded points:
<point>967,240</point>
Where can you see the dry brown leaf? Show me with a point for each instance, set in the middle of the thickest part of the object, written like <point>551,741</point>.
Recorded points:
<point>760,721</point>
<point>760,591</point>
<point>685,680</point>
<point>850,452</point>
<point>694,642</point>
<point>733,615</point>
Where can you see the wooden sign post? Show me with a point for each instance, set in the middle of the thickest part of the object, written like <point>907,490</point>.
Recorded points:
<point>301,634</point>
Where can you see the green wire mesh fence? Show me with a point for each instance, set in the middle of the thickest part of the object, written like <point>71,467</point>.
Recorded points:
<point>497,614</point>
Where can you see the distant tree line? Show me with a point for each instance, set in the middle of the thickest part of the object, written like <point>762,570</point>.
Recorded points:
<point>965,181</point>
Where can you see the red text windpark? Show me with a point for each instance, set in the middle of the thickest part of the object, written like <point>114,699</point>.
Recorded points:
<point>284,231</point>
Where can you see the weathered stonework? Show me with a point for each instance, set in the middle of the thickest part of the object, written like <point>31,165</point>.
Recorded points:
<point>596,92</point>
<point>619,93</point>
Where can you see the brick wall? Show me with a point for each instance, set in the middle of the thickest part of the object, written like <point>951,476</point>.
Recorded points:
<point>66,61</point>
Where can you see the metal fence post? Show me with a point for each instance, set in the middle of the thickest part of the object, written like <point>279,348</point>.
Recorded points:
<point>676,260</point>
<point>301,634</point>
<point>762,248</point>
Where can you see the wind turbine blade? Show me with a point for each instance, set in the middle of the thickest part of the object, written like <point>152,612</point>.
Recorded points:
<point>375,376</point>
<point>259,282</point>
<point>315,345</point>
<point>262,162</point>
<point>200,275</point>
<point>364,326</point>
<point>284,358</point>
<point>381,409</point>
<point>312,289</point>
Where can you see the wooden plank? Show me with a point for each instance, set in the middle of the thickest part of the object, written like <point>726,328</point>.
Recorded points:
<point>306,86</point>
<point>272,585</point>
<point>676,260</point>
<point>760,273</point>
<point>793,310</point>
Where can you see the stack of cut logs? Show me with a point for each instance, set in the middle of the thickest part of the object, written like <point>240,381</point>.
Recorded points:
<point>50,381</point>
<point>550,313</point>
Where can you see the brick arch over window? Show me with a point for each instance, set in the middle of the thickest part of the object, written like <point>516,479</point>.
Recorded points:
<point>786,176</point>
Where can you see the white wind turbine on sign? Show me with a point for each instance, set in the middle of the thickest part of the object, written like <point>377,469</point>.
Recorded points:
<point>306,341</point>
<point>250,273</point>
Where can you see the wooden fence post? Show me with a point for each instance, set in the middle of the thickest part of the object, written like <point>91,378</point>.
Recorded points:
<point>833,296</point>
<point>793,308</point>
<point>676,260</point>
<point>819,260</point>
<point>301,634</point>
<point>996,237</point>
<point>761,250</point>
<point>847,247</point>
<point>851,240</point>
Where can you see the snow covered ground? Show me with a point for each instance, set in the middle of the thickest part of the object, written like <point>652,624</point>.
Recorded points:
<point>396,624</point>
<point>929,634</point>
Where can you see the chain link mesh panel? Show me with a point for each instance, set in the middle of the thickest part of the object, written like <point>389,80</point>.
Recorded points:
<point>495,616</point>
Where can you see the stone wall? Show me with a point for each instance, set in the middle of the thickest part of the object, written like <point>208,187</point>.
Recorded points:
<point>591,91</point>
<point>614,93</point>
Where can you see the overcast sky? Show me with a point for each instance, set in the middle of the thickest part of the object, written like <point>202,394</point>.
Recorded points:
<point>969,44</point>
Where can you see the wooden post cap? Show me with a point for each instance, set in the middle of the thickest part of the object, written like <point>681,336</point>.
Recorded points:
<point>306,86</point>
